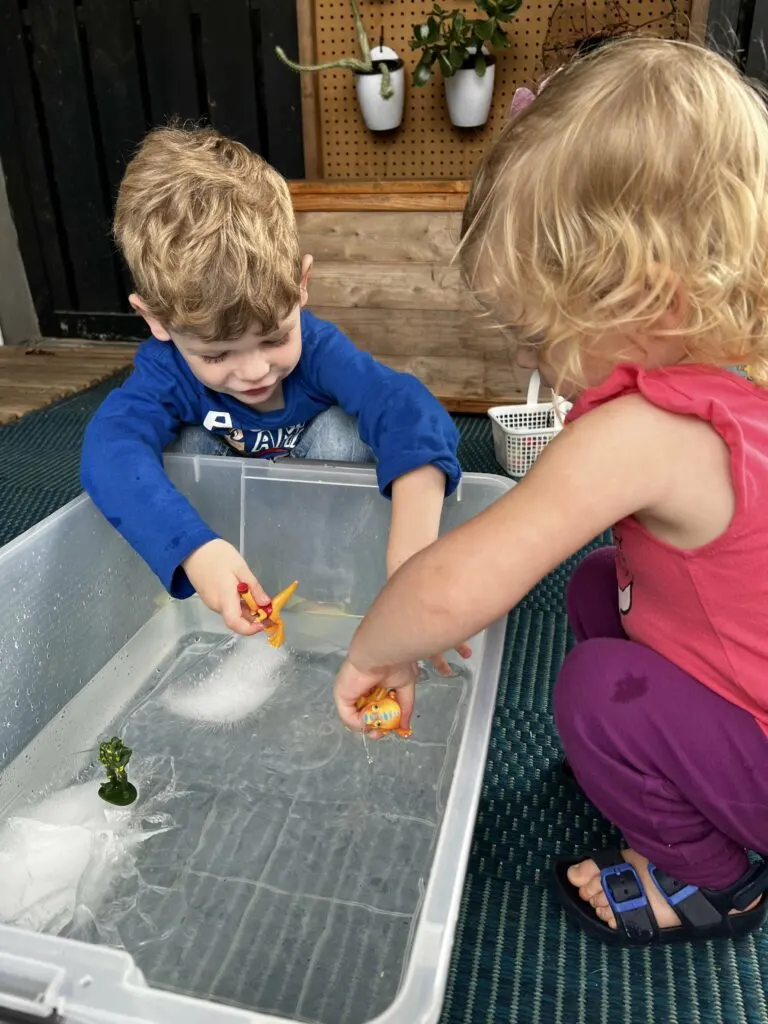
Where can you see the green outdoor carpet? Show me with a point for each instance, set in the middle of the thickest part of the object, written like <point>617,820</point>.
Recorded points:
<point>515,959</point>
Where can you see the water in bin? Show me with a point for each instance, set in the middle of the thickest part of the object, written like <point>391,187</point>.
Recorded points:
<point>261,865</point>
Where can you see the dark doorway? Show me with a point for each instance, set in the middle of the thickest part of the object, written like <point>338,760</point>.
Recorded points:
<point>81,81</point>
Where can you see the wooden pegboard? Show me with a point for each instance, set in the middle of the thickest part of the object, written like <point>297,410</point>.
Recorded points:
<point>427,145</point>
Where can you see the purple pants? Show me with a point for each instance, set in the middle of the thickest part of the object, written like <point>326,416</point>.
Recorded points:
<point>682,772</point>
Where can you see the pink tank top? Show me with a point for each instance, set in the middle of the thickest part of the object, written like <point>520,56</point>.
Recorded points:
<point>705,610</point>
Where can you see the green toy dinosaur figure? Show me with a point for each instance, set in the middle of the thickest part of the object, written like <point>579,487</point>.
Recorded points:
<point>114,755</point>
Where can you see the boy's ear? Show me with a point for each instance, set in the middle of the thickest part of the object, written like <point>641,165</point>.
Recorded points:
<point>306,272</point>
<point>154,325</point>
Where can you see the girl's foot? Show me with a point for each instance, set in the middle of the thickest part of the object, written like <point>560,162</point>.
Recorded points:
<point>586,878</point>
<point>621,899</point>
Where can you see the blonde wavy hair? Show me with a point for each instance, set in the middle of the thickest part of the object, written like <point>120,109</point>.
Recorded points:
<point>208,231</point>
<point>638,174</point>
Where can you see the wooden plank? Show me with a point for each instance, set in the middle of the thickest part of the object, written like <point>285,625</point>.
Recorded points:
<point>387,286</point>
<point>391,196</point>
<point>228,52</point>
<point>351,188</point>
<point>166,33</point>
<point>87,345</point>
<point>33,378</point>
<point>373,201</point>
<point>24,165</point>
<point>374,196</point>
<point>282,88</point>
<point>114,67</point>
<point>85,214</point>
<point>428,332</point>
<point>380,237</point>
<point>310,98</point>
<point>698,21</point>
<point>461,384</point>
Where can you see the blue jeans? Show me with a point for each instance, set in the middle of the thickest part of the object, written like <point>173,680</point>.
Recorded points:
<point>330,437</point>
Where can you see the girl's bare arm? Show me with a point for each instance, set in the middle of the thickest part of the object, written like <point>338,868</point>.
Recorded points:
<point>618,460</point>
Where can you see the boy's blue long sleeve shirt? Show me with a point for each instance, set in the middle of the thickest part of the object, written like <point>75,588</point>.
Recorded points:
<point>122,462</point>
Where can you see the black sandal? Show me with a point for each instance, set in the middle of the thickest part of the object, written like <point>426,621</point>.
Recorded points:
<point>704,913</point>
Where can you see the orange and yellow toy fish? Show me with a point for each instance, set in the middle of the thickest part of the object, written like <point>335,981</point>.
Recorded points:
<point>381,711</point>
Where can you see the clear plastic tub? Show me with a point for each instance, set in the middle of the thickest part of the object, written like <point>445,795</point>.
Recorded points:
<point>274,868</point>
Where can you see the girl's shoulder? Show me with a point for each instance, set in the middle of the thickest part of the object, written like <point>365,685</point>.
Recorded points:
<point>708,392</point>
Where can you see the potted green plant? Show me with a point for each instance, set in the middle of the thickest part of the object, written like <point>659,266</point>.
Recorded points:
<point>379,77</point>
<point>460,47</point>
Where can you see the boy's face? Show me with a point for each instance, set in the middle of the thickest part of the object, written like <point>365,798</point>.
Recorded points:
<point>251,367</point>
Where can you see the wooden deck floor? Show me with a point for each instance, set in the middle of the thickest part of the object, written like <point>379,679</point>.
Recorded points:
<point>31,378</point>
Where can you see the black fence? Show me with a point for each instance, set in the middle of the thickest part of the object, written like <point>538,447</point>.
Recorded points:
<point>81,81</point>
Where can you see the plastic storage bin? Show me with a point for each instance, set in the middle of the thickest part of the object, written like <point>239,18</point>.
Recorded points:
<point>80,615</point>
<point>522,432</point>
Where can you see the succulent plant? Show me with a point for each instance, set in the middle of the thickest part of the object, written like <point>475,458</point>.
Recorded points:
<point>454,41</point>
<point>362,65</point>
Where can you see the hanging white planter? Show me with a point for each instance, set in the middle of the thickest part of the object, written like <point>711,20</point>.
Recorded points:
<point>469,96</point>
<point>379,114</point>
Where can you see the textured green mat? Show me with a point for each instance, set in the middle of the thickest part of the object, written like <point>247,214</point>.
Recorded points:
<point>515,959</point>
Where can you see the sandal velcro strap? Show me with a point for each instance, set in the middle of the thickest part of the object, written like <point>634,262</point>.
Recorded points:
<point>749,887</point>
<point>688,901</point>
<point>626,896</point>
<point>705,908</point>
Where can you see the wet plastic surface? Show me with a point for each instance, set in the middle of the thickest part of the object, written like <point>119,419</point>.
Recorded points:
<point>262,825</point>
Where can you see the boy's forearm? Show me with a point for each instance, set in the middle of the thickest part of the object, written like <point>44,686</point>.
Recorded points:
<point>417,505</point>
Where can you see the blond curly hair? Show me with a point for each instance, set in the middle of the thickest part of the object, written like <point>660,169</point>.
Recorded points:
<point>208,231</point>
<point>637,175</point>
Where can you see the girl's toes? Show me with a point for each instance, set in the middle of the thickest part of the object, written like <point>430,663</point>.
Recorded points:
<point>606,914</point>
<point>592,888</point>
<point>582,874</point>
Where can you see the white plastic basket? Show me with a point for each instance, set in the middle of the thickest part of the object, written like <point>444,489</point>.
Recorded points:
<point>522,432</point>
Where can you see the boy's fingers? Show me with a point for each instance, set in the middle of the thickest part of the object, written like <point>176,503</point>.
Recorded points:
<point>464,651</point>
<point>232,614</point>
<point>260,595</point>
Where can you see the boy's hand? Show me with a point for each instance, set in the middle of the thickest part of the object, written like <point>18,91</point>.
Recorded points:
<point>352,683</point>
<point>215,570</point>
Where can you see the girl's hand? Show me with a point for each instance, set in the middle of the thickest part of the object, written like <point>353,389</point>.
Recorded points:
<point>351,684</point>
<point>441,665</point>
<point>215,570</point>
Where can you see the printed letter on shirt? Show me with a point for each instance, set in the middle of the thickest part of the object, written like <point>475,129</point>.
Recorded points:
<point>217,421</point>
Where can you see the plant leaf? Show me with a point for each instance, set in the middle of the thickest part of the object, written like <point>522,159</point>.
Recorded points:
<point>445,65</point>
<point>500,39</point>
<point>457,55</point>
<point>386,89</point>
<point>422,73</point>
<point>480,66</point>
<point>484,29</point>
